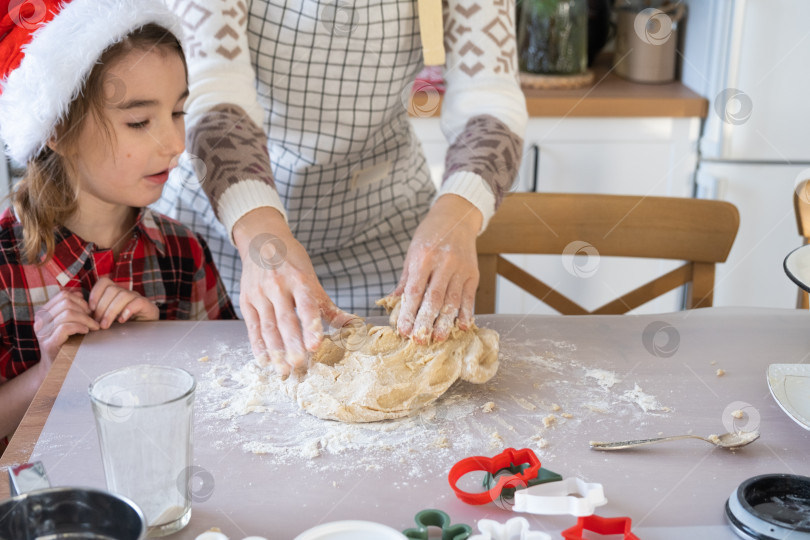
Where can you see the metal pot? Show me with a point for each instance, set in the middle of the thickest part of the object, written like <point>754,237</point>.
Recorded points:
<point>62,512</point>
<point>647,41</point>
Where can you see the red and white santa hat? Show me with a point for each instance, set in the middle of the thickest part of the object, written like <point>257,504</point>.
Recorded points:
<point>47,50</point>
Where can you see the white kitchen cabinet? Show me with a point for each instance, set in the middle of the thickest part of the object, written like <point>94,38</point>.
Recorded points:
<point>626,156</point>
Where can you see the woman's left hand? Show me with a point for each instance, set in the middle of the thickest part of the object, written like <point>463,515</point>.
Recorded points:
<point>440,276</point>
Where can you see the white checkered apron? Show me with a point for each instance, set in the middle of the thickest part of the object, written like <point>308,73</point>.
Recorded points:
<point>332,79</point>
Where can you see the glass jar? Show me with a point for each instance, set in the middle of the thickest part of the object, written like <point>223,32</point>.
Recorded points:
<point>553,36</point>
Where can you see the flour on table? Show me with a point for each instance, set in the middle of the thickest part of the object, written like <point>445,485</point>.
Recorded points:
<point>524,403</point>
<point>645,401</point>
<point>242,407</point>
<point>366,373</point>
<point>605,379</point>
<point>540,441</point>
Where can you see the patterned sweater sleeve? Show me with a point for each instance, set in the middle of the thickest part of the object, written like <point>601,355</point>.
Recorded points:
<point>484,111</point>
<point>224,116</point>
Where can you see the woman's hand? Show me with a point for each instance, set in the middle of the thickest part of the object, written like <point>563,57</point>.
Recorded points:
<point>109,302</point>
<point>280,296</point>
<point>65,314</point>
<point>440,277</point>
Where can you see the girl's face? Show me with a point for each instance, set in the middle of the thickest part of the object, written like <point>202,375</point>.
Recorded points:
<point>144,95</point>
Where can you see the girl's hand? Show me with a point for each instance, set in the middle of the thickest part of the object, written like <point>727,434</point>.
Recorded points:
<point>65,314</point>
<point>108,302</point>
<point>440,276</point>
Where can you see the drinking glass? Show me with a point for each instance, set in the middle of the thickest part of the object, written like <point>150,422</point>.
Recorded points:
<point>144,417</point>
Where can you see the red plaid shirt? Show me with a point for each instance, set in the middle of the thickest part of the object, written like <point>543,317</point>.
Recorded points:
<point>163,260</point>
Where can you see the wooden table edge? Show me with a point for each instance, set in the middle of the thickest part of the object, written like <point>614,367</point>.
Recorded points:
<point>22,443</point>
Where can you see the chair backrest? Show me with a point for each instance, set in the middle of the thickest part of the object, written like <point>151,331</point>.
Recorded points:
<point>801,207</point>
<point>698,231</point>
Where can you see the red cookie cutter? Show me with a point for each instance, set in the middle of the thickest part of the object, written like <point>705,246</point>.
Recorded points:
<point>600,525</point>
<point>507,458</point>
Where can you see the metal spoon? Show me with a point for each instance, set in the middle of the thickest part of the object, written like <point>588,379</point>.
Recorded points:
<point>726,440</point>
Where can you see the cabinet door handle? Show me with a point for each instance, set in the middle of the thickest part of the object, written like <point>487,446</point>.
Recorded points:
<point>536,169</point>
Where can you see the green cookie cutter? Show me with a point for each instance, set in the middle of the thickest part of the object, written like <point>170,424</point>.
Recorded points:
<point>543,476</point>
<point>437,518</point>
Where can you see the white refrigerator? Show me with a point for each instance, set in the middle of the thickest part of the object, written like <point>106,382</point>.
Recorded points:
<point>751,60</point>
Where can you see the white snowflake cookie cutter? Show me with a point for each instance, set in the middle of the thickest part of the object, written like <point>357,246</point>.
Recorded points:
<point>569,496</point>
<point>514,529</point>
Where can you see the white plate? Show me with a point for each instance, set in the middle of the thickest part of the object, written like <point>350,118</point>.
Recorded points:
<point>797,266</point>
<point>790,387</point>
<point>351,530</point>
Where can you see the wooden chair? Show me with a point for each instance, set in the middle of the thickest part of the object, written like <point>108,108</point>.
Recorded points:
<point>801,207</point>
<point>698,231</point>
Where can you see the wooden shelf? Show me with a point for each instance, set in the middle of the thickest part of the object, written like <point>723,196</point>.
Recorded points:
<point>612,96</point>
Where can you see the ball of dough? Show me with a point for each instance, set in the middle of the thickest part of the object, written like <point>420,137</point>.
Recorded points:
<point>366,373</point>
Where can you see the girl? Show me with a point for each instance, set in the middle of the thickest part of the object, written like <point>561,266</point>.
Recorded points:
<point>92,101</point>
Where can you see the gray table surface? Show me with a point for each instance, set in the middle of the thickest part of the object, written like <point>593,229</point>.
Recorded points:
<point>318,471</point>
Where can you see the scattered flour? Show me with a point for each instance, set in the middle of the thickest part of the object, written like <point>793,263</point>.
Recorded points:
<point>597,408</point>
<point>647,402</point>
<point>441,442</point>
<point>243,407</point>
<point>525,404</point>
<point>605,379</point>
<point>540,441</point>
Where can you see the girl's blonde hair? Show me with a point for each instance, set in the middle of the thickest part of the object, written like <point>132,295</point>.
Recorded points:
<point>44,198</point>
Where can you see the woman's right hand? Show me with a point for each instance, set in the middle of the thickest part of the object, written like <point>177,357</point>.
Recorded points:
<point>281,299</point>
<point>65,314</point>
